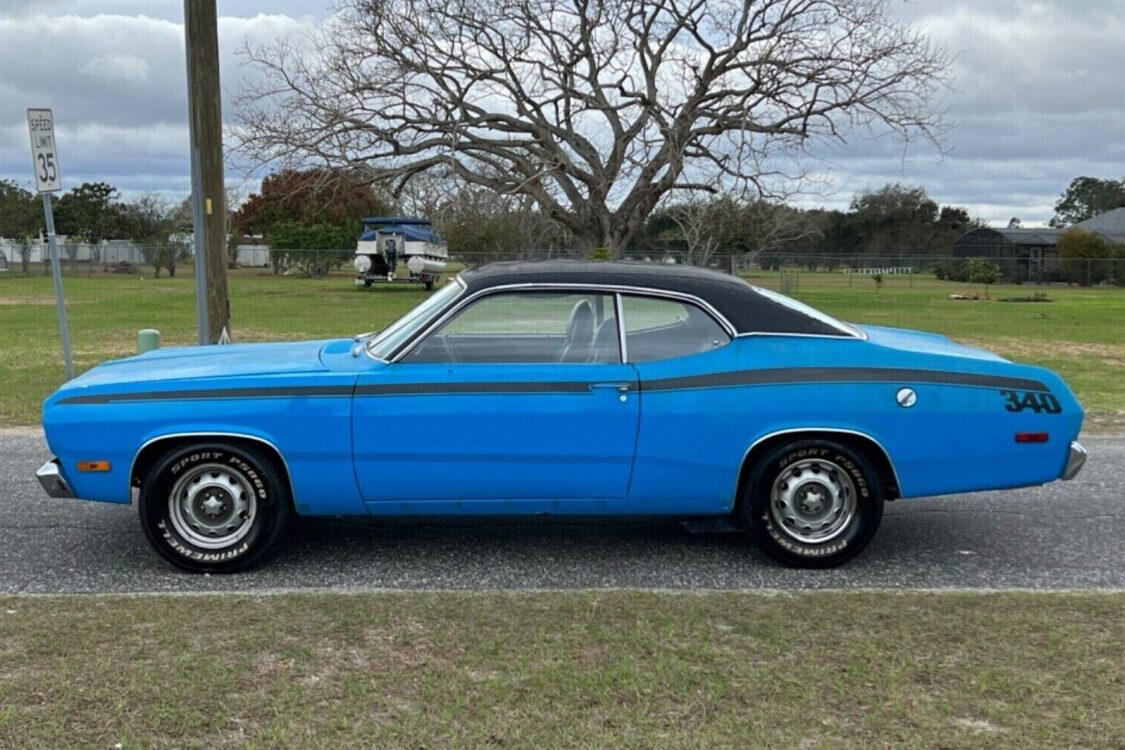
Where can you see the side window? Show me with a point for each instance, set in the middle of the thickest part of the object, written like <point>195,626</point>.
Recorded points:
<point>657,328</point>
<point>527,327</point>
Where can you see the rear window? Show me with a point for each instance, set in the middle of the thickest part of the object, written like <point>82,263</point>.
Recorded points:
<point>839,326</point>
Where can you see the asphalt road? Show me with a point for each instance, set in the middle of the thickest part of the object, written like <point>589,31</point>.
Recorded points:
<point>1063,535</point>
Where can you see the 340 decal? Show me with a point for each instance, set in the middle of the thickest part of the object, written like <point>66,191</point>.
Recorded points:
<point>1038,402</point>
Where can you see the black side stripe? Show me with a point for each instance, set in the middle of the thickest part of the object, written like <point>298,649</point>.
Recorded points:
<point>215,394</point>
<point>523,386</point>
<point>789,375</point>
<point>777,376</point>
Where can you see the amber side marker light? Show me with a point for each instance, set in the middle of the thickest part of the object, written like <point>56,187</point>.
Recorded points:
<point>1031,437</point>
<point>93,465</point>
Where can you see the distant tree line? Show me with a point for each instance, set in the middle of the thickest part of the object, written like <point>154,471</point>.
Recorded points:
<point>93,212</point>
<point>320,209</point>
<point>1086,197</point>
<point>891,222</point>
<point>316,209</point>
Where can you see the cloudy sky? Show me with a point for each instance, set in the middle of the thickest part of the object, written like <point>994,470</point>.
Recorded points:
<point>1038,96</point>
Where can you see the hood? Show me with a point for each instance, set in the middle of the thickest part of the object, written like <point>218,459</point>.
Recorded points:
<point>179,363</point>
<point>927,343</point>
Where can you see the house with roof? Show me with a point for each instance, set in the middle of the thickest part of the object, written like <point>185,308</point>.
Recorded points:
<point>1033,253</point>
<point>1110,225</point>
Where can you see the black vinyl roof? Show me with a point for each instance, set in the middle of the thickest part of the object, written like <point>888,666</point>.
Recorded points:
<point>748,310</point>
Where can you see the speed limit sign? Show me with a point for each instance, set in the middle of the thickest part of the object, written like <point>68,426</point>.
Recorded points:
<point>45,158</point>
<point>41,123</point>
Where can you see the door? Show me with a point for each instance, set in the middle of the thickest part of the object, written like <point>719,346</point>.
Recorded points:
<point>692,438</point>
<point>521,396</point>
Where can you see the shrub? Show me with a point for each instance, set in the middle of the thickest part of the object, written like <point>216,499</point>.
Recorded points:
<point>310,248</point>
<point>1084,257</point>
<point>1118,262</point>
<point>983,271</point>
<point>953,270</point>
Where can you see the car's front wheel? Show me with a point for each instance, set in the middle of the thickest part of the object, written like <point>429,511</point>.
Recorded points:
<point>214,507</point>
<point>812,503</point>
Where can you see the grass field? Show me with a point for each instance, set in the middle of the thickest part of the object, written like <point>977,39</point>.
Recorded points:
<point>1081,334</point>
<point>580,669</point>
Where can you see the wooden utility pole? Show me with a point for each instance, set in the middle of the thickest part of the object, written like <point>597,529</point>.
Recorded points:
<point>201,35</point>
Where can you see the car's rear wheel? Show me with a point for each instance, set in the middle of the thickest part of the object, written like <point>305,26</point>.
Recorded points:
<point>812,503</point>
<point>214,507</point>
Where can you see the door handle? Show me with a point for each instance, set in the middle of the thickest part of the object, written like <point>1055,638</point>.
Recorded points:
<point>619,387</point>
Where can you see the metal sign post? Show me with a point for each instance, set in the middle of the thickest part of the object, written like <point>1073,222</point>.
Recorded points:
<point>48,179</point>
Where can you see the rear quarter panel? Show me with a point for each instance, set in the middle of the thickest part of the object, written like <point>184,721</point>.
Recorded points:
<point>956,438</point>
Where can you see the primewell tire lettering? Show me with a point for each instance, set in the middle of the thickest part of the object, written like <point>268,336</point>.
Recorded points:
<point>799,549</point>
<point>201,556</point>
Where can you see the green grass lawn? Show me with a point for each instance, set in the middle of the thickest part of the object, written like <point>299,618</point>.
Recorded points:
<point>107,310</point>
<point>559,670</point>
<point>1081,334</point>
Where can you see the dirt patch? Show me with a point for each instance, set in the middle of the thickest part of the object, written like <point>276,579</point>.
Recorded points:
<point>29,301</point>
<point>1017,347</point>
<point>20,432</point>
<point>978,726</point>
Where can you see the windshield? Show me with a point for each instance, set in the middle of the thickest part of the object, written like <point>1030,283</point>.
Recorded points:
<point>386,342</point>
<point>811,312</point>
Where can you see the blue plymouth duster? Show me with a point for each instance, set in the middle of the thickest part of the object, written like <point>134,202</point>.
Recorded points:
<point>560,388</point>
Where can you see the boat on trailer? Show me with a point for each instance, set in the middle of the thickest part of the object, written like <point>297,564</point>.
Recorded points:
<point>403,249</point>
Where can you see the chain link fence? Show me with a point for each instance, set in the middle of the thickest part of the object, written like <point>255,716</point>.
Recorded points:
<point>175,260</point>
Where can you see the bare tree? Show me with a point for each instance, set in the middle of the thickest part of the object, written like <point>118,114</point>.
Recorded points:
<point>771,227</point>
<point>24,248</point>
<point>427,192</point>
<point>595,110</point>
<point>152,220</point>
<point>706,227</point>
<point>235,195</point>
<point>695,222</point>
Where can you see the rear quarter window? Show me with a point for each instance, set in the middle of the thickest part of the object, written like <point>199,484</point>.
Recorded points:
<point>657,328</point>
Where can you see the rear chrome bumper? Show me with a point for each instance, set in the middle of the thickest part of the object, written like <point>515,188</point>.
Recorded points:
<point>1075,460</point>
<point>52,481</point>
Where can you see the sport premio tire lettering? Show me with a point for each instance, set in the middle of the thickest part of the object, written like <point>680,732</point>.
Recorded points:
<point>195,458</point>
<point>259,485</point>
<point>857,475</point>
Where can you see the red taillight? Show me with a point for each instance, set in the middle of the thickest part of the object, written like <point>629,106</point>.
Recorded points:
<point>1031,437</point>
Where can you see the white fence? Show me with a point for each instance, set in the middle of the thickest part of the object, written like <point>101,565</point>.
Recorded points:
<point>887,271</point>
<point>107,253</point>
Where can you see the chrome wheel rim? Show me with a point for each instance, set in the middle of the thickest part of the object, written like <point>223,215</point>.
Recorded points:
<point>813,501</point>
<point>212,506</point>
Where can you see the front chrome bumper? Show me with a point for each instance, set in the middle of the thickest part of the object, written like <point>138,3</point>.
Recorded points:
<point>1075,460</point>
<point>52,481</point>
